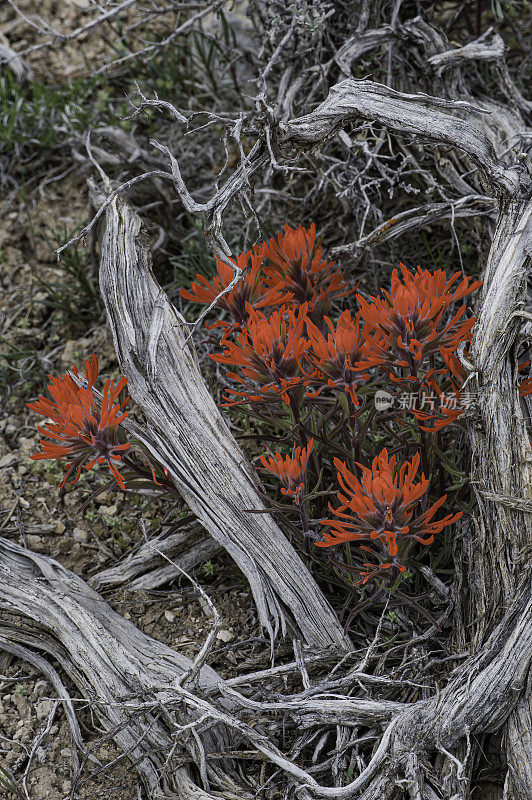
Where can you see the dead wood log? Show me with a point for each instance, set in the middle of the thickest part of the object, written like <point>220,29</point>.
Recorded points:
<point>188,435</point>
<point>147,567</point>
<point>46,607</point>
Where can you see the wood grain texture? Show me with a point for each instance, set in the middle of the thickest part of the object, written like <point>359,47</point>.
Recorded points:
<point>189,436</point>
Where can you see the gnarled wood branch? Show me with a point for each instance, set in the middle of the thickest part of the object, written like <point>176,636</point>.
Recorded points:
<point>188,435</point>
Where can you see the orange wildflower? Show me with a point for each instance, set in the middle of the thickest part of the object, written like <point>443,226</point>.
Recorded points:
<point>291,471</point>
<point>382,508</point>
<point>296,260</point>
<point>250,290</point>
<point>83,434</point>
<point>413,320</point>
<point>269,352</point>
<point>340,358</point>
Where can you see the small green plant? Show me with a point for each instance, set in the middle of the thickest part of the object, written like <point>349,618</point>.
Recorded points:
<point>39,115</point>
<point>76,299</point>
<point>208,568</point>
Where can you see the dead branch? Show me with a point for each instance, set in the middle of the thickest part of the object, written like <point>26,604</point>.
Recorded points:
<point>190,438</point>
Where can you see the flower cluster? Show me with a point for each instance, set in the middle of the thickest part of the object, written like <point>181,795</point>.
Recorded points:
<point>250,292</point>
<point>82,432</point>
<point>414,327</point>
<point>308,374</point>
<point>288,271</point>
<point>295,260</point>
<point>295,365</point>
<point>339,359</point>
<point>382,507</point>
<point>268,352</point>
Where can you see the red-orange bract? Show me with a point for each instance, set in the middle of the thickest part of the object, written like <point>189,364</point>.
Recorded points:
<point>83,434</point>
<point>290,470</point>
<point>382,507</point>
<point>250,290</point>
<point>340,358</point>
<point>269,352</point>
<point>412,318</point>
<point>295,259</point>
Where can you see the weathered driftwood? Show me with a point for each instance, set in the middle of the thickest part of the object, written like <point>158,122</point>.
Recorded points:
<point>147,567</point>
<point>189,436</point>
<point>45,607</point>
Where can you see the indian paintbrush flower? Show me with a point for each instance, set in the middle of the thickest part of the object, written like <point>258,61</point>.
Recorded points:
<point>83,433</point>
<point>382,508</point>
<point>269,352</point>
<point>291,470</point>
<point>339,359</point>
<point>296,259</point>
<point>414,321</point>
<point>250,290</point>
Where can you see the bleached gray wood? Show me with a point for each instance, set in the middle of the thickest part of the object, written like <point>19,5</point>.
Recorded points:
<point>147,569</point>
<point>188,435</point>
<point>46,607</point>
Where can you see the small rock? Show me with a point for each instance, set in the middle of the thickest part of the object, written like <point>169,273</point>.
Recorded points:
<point>109,511</point>
<point>103,498</point>
<point>127,615</point>
<point>205,607</point>
<point>27,446</point>
<point>43,708</point>
<point>8,460</point>
<point>40,688</point>
<point>34,542</point>
<point>59,527</point>
<point>225,636</point>
<point>169,616</point>
<point>64,546</point>
<point>80,535</point>
<point>41,755</point>
<point>66,752</point>
<point>23,502</point>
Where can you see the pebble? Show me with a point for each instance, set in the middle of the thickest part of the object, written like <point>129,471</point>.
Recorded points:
<point>59,527</point>
<point>169,616</point>
<point>80,535</point>
<point>41,755</point>
<point>35,543</point>
<point>40,688</point>
<point>28,446</point>
<point>103,498</point>
<point>225,636</point>
<point>205,607</point>
<point>8,460</point>
<point>43,708</point>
